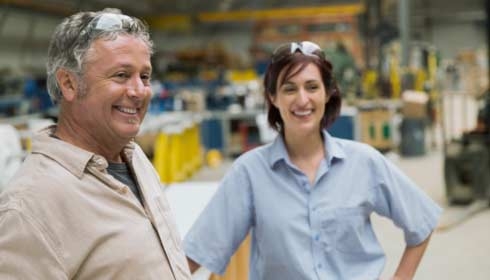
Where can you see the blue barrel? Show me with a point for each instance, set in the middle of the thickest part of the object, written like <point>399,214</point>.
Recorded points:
<point>412,133</point>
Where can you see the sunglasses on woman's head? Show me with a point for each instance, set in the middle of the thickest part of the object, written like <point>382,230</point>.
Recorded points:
<point>305,47</point>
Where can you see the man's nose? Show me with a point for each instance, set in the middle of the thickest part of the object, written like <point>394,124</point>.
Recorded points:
<point>136,87</point>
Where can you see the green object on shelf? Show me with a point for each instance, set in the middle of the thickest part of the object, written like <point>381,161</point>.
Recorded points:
<point>372,131</point>
<point>386,131</point>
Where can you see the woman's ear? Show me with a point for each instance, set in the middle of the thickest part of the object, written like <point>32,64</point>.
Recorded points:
<point>327,96</point>
<point>68,84</point>
<point>272,98</point>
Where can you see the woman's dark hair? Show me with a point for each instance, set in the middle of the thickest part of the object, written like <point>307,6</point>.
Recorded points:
<point>290,66</point>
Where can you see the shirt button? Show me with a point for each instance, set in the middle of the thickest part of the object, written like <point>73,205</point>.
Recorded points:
<point>123,190</point>
<point>317,237</point>
<point>319,265</point>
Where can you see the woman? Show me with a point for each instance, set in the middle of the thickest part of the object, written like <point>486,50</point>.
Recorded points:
<point>307,197</point>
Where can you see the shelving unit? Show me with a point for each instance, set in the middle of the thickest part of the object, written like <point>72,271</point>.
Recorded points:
<point>233,140</point>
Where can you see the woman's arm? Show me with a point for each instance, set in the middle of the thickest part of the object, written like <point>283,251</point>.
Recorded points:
<point>410,261</point>
<point>193,266</point>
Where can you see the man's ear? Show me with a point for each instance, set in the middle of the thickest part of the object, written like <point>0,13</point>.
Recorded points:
<point>68,84</point>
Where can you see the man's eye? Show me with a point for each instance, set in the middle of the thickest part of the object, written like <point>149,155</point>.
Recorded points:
<point>121,75</point>
<point>146,79</point>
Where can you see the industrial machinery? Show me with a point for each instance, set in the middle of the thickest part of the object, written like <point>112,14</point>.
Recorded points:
<point>467,161</point>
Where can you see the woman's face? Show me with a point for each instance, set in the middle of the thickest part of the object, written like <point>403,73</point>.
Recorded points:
<point>301,101</point>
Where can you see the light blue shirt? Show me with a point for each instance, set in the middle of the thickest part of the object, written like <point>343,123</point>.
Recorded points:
<point>304,231</point>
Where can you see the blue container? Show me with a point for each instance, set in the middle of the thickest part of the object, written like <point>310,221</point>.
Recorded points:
<point>343,127</point>
<point>212,134</point>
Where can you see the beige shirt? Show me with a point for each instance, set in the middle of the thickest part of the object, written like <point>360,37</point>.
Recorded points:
<point>63,216</point>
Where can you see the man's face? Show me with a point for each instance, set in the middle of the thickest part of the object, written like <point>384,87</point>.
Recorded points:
<point>117,89</point>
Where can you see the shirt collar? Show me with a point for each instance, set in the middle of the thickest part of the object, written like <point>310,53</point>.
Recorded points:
<point>332,145</point>
<point>73,158</point>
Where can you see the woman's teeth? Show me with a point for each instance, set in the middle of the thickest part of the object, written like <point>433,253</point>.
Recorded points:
<point>302,113</point>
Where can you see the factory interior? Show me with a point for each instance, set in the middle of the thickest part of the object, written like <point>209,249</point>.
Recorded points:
<point>413,77</point>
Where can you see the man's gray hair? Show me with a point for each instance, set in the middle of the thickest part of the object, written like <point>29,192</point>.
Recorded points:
<point>73,37</point>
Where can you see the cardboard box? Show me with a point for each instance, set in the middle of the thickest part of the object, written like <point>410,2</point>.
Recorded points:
<point>375,125</point>
<point>414,104</point>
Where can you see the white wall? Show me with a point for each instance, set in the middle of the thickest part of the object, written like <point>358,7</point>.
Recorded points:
<point>24,39</point>
<point>452,38</point>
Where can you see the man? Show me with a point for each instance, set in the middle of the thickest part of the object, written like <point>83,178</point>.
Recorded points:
<point>87,203</point>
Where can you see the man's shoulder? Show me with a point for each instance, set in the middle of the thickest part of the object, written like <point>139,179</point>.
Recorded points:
<point>38,180</point>
<point>23,197</point>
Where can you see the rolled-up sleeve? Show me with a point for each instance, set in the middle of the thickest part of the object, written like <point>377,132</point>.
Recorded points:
<point>25,250</point>
<point>401,200</point>
<point>223,224</point>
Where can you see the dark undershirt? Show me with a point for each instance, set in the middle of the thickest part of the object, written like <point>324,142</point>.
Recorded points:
<point>121,172</point>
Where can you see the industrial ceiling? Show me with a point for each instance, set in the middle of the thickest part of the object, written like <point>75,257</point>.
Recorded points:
<point>164,7</point>
<point>197,11</point>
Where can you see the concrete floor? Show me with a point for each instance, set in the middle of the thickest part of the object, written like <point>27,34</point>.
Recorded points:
<point>458,252</point>
<point>461,251</point>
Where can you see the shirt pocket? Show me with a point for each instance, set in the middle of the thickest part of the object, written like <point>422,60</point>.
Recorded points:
<point>343,229</point>
<point>352,227</point>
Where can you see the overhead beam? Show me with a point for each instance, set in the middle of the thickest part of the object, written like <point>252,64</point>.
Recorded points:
<point>171,22</point>
<point>283,13</point>
<point>40,6</point>
<point>184,22</point>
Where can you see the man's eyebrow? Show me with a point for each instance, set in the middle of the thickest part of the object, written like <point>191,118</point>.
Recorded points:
<point>130,66</point>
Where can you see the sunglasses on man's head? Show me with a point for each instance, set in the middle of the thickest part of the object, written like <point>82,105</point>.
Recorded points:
<point>103,22</point>
<point>305,47</point>
<point>107,22</point>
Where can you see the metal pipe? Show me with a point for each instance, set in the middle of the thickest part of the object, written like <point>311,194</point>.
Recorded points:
<point>404,27</point>
<point>487,8</point>
<point>3,17</point>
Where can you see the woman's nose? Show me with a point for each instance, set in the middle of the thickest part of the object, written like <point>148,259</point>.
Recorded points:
<point>302,96</point>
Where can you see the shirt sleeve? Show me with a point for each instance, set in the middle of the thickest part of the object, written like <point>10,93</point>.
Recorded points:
<point>401,200</point>
<point>224,223</point>
<point>25,251</point>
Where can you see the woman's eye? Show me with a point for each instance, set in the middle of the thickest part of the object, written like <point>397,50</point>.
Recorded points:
<point>289,89</point>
